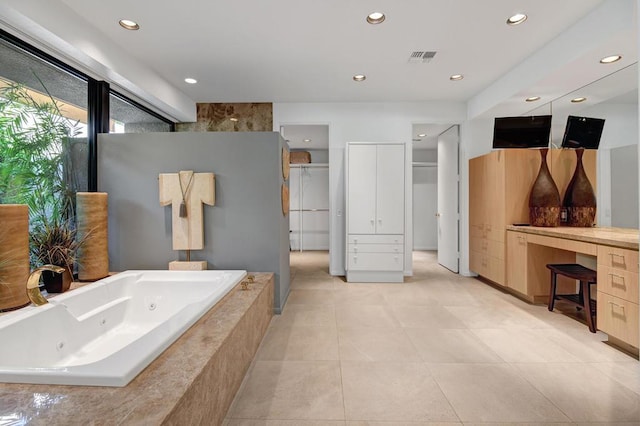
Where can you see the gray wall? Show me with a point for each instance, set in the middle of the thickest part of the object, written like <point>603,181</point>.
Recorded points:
<point>624,186</point>
<point>244,230</point>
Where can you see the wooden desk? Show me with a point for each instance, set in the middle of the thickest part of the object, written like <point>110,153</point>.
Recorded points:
<point>529,249</point>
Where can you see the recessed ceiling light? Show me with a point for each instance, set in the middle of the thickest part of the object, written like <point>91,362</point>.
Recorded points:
<point>306,140</point>
<point>359,77</point>
<point>128,24</point>
<point>578,100</point>
<point>375,18</point>
<point>233,119</point>
<point>190,80</point>
<point>516,19</point>
<point>456,77</point>
<point>533,99</point>
<point>422,135</point>
<point>610,59</point>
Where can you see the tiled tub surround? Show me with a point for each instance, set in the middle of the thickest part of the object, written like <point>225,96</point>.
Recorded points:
<point>192,382</point>
<point>438,349</point>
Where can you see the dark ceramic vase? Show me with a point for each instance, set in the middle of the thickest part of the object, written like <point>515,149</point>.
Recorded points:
<point>544,199</point>
<point>579,199</point>
<point>57,283</point>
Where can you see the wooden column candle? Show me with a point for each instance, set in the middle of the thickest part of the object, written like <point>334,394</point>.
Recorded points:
<point>93,254</point>
<point>14,256</point>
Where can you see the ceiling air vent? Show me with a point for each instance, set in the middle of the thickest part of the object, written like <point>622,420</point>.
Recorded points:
<point>421,57</point>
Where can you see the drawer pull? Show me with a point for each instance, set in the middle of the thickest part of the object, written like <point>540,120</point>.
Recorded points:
<point>620,283</point>
<point>618,259</point>
<point>355,249</point>
<point>616,305</point>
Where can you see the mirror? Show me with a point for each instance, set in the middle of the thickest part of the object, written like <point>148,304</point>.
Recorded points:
<point>615,99</point>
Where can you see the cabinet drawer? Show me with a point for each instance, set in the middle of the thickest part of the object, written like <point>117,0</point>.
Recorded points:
<point>375,239</point>
<point>619,283</point>
<point>487,266</point>
<point>375,262</point>
<point>488,231</point>
<point>376,248</point>
<point>488,247</point>
<point>618,258</point>
<point>618,318</point>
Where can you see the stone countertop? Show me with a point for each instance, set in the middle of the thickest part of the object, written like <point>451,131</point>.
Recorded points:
<point>627,238</point>
<point>150,397</point>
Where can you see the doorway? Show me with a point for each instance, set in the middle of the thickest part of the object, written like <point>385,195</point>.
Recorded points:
<point>309,196</point>
<point>435,192</point>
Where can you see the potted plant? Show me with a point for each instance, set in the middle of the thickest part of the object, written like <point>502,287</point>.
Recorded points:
<point>56,243</point>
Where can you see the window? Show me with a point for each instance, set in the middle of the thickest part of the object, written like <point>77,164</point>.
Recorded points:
<point>125,116</point>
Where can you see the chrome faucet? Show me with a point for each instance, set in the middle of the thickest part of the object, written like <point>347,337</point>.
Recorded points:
<point>33,283</point>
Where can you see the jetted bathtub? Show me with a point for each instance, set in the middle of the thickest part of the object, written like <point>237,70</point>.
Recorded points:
<point>105,333</point>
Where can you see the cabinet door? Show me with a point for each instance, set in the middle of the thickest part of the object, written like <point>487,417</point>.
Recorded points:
<point>390,189</point>
<point>517,261</point>
<point>361,193</point>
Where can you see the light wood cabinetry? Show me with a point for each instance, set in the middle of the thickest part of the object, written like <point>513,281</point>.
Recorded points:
<point>499,187</point>
<point>618,293</point>
<point>375,212</point>
<point>530,249</point>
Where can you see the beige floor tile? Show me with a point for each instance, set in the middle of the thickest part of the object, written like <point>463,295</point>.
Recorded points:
<point>493,393</point>
<point>408,294</point>
<point>583,392</point>
<point>299,344</point>
<point>581,343</point>
<point>393,392</point>
<point>495,316</point>
<point>305,316</point>
<point>450,346</point>
<point>313,283</point>
<point>358,294</point>
<point>376,344</point>
<point>373,423</point>
<point>522,345</point>
<point>239,422</point>
<point>426,317</point>
<point>625,373</point>
<point>290,390</point>
<point>519,424</point>
<point>310,297</point>
<point>365,316</point>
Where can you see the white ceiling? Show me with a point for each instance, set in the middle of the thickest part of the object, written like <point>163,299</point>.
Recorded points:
<point>304,51</point>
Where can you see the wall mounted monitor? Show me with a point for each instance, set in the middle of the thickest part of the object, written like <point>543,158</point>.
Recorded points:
<point>582,132</point>
<point>522,132</point>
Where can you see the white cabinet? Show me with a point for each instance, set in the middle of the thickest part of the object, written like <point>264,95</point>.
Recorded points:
<point>375,212</point>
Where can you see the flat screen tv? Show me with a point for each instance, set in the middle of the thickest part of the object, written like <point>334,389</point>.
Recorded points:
<point>582,132</point>
<point>522,132</point>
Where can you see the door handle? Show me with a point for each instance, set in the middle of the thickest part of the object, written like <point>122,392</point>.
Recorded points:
<point>437,214</point>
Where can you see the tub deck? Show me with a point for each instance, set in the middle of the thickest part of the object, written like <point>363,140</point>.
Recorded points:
<point>192,382</point>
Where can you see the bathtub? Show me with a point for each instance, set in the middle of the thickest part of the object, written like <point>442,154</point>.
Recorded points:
<point>107,332</point>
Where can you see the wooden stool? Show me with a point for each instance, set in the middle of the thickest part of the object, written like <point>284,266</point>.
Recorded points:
<point>586,277</point>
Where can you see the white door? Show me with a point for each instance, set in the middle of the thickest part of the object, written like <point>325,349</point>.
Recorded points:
<point>361,198</point>
<point>390,189</point>
<point>447,215</point>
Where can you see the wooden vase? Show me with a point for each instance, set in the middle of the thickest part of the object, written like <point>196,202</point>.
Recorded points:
<point>580,199</point>
<point>14,256</point>
<point>93,254</point>
<point>544,198</point>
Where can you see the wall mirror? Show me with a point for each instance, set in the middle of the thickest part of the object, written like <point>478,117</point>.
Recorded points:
<point>615,99</point>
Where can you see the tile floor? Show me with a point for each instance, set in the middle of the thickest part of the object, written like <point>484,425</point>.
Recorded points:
<point>438,349</point>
